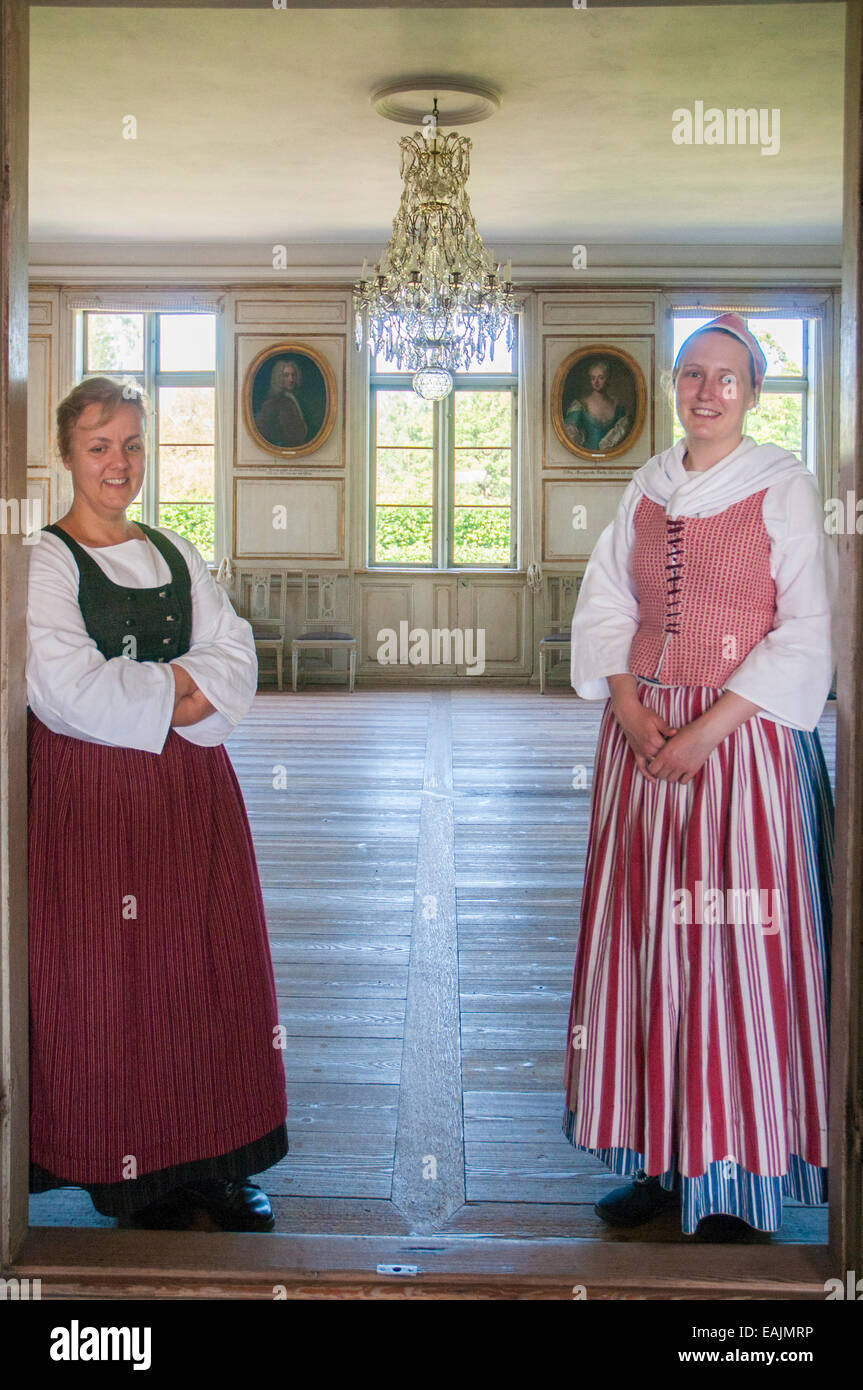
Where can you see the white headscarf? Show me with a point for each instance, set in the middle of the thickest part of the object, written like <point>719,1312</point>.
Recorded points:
<point>747,469</point>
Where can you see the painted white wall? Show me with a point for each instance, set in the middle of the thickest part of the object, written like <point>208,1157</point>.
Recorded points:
<point>326,492</point>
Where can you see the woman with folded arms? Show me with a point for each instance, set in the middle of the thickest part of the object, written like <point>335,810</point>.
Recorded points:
<point>156,1077</point>
<point>697,1048</point>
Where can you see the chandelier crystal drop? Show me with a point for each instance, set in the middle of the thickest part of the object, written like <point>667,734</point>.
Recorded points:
<point>436,301</point>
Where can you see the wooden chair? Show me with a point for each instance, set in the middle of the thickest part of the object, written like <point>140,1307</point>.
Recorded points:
<point>268,632</point>
<point>327,622</point>
<point>562,594</point>
<point>560,642</point>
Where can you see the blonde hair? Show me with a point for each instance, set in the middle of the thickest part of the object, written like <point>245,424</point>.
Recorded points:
<point>109,392</point>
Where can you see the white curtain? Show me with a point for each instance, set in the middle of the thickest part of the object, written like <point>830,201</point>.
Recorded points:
<point>142,301</point>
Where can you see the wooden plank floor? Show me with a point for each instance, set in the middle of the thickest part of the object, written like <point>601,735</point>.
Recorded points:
<point>421,855</point>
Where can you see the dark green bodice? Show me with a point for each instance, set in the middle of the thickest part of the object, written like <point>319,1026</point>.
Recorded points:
<point>159,619</point>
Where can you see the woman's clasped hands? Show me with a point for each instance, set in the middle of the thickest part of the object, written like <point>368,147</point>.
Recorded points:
<point>662,752</point>
<point>190,704</point>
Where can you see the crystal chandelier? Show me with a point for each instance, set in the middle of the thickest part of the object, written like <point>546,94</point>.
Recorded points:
<point>436,301</point>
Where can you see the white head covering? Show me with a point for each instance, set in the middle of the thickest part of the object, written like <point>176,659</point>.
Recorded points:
<point>747,469</point>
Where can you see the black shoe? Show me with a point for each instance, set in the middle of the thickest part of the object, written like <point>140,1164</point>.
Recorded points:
<point>235,1204</point>
<point>169,1213</point>
<point>721,1227</point>
<point>637,1202</point>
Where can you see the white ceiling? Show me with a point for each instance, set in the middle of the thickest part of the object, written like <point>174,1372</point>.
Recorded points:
<point>255,126</point>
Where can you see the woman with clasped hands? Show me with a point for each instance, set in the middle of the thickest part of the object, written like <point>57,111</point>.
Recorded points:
<point>156,1078</point>
<point>696,1060</point>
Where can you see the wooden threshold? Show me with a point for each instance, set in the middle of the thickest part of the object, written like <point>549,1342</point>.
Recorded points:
<point>101,1264</point>
<point>72,1261</point>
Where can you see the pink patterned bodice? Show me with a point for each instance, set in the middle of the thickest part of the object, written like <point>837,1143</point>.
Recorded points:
<point>706,595</point>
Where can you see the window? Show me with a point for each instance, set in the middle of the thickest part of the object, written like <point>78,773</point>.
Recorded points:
<point>173,357</point>
<point>443,472</point>
<point>783,413</point>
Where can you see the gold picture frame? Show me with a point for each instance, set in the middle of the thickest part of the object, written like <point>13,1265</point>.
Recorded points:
<point>289,413</point>
<point>597,372</point>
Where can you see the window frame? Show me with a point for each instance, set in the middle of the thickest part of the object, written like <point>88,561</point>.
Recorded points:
<point>443,468</point>
<point>480,382</point>
<point>150,379</point>
<point>789,304</point>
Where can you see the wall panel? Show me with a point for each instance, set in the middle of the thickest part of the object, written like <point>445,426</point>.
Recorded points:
<point>47,479</point>
<point>292,518</point>
<point>325,494</point>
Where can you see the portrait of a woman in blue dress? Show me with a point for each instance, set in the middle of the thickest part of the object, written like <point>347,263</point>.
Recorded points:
<point>595,419</point>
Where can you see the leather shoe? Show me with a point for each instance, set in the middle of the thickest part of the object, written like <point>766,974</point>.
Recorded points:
<point>722,1228</point>
<point>169,1213</point>
<point>235,1204</point>
<point>637,1202</point>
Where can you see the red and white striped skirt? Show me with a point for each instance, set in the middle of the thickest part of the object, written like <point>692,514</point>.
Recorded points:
<point>153,1007</point>
<point>698,1025</point>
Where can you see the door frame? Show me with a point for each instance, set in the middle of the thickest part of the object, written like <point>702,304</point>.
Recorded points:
<point>136,1264</point>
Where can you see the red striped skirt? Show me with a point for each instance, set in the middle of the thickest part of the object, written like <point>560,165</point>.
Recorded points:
<point>152,1001</point>
<point>698,1023</point>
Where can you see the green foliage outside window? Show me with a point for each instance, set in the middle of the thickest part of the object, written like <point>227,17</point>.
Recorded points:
<point>481,478</point>
<point>115,344</point>
<point>194,522</point>
<point>183,453</point>
<point>403,535</point>
<point>778,420</point>
<point>482,536</point>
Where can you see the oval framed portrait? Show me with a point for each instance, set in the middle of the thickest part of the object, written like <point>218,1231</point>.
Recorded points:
<point>598,402</point>
<point>289,399</point>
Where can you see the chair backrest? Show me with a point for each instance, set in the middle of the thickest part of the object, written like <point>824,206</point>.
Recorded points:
<point>262,601</point>
<point>562,594</point>
<point>259,605</point>
<point>327,601</point>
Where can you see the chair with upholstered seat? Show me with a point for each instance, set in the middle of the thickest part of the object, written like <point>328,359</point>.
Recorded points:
<point>562,594</point>
<point>270,638</point>
<point>559,642</point>
<point>326,609</point>
<point>266,591</point>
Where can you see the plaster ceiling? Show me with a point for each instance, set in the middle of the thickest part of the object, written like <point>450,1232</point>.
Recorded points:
<point>256,125</point>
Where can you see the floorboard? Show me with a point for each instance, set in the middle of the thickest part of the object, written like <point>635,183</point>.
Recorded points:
<point>421,855</point>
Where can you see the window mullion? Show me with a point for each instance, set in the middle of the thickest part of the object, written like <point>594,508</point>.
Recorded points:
<point>805,433</point>
<point>150,499</point>
<point>372,531</point>
<point>445,412</point>
<point>437,560</point>
<point>514,510</point>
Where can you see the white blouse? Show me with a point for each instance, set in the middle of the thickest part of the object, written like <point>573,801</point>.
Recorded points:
<point>75,691</point>
<point>788,673</point>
